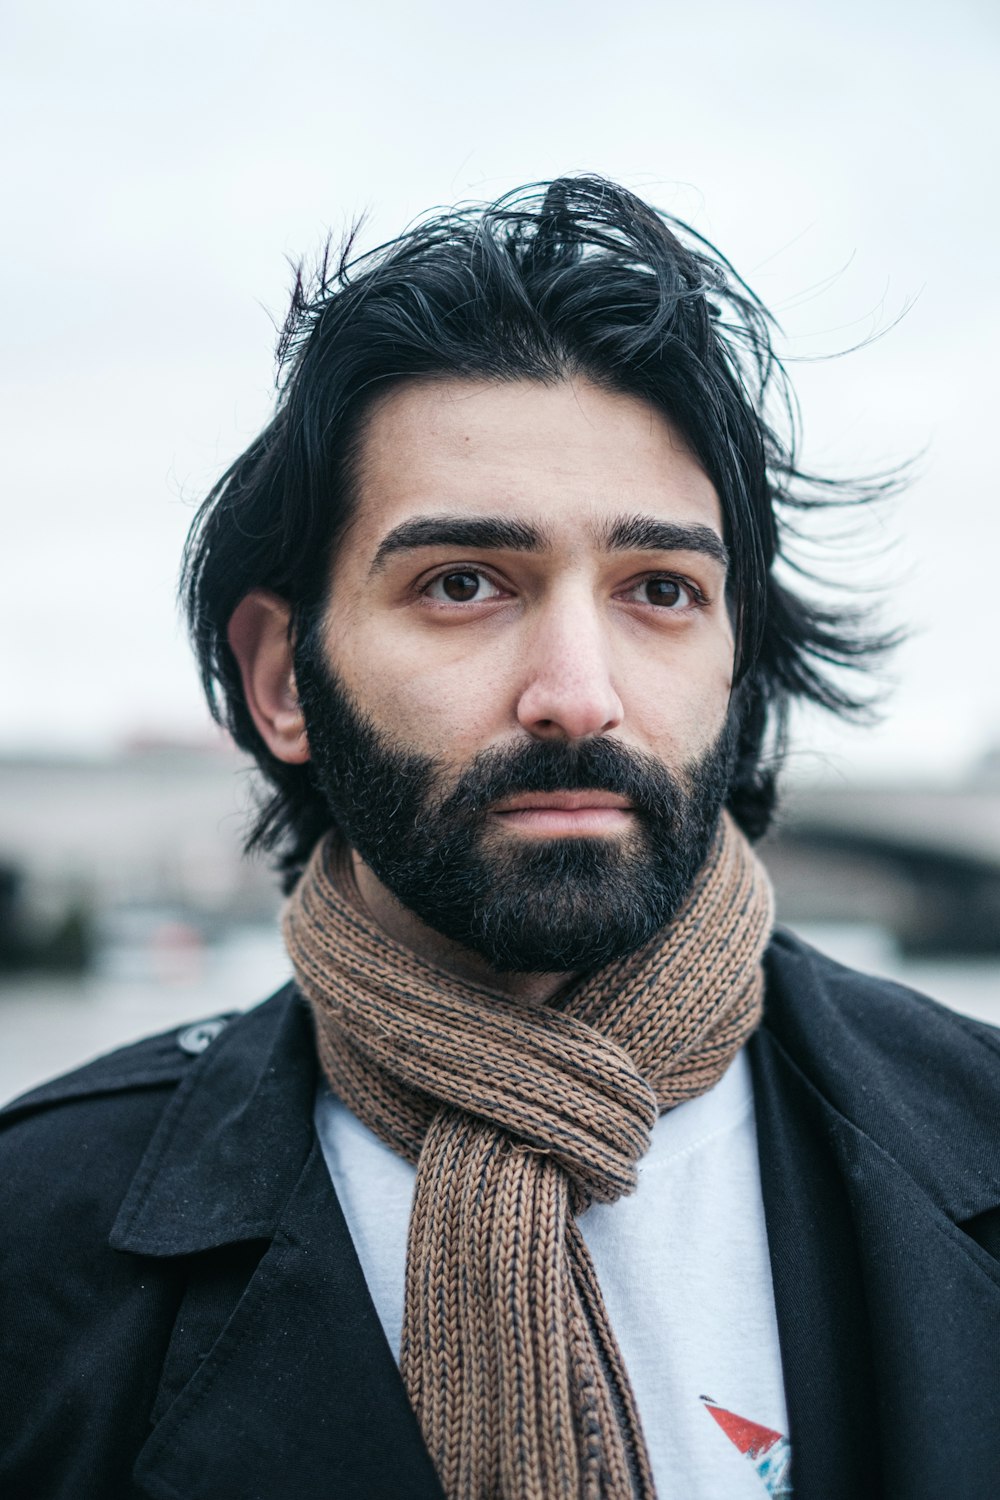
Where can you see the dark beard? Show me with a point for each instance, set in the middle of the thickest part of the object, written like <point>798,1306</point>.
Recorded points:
<point>546,907</point>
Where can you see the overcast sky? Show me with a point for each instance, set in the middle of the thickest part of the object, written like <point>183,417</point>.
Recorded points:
<point>163,159</point>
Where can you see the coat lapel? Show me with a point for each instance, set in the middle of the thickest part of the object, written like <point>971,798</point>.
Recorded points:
<point>285,1385</point>
<point>888,1311</point>
<point>300,1394</point>
<point>818,1294</point>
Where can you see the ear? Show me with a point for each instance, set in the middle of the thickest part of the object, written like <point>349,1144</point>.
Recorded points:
<point>259,633</point>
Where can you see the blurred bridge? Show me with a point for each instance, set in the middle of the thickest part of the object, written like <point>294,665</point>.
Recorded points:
<point>922,862</point>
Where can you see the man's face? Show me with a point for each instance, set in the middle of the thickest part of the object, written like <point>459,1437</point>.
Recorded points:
<point>518,701</point>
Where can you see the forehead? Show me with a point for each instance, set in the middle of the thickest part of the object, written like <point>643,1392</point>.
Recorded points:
<point>555,455</point>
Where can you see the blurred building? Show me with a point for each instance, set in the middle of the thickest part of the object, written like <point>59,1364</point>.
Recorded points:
<point>152,834</point>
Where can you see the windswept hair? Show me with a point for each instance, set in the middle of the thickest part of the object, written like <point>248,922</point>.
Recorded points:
<point>576,278</point>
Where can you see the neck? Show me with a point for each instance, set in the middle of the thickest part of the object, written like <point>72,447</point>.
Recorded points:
<point>404,927</point>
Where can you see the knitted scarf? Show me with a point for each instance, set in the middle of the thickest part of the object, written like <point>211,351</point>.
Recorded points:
<point>517,1116</point>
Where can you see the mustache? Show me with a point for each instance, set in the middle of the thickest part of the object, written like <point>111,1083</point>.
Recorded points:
<point>602,765</point>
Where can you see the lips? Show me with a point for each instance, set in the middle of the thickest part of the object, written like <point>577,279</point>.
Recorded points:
<point>562,802</point>
<point>557,815</point>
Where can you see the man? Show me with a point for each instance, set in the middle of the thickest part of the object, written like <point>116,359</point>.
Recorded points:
<point>554,1173</point>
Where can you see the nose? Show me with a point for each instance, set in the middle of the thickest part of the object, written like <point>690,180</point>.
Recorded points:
<point>569,691</point>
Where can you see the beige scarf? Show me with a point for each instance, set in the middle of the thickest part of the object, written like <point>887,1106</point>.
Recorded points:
<point>518,1115</point>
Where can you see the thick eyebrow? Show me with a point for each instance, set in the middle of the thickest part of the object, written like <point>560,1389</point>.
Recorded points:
<point>492,533</point>
<point>500,533</point>
<point>649,534</point>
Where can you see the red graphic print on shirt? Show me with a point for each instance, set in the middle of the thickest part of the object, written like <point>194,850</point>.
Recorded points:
<point>768,1451</point>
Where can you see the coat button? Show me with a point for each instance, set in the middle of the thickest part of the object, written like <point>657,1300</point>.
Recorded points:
<point>194,1039</point>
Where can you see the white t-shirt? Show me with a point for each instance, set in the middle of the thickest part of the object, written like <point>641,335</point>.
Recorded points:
<point>684,1269</point>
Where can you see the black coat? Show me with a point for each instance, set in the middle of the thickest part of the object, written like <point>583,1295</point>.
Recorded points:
<point>183,1315</point>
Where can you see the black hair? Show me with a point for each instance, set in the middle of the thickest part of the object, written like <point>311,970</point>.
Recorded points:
<point>573,278</point>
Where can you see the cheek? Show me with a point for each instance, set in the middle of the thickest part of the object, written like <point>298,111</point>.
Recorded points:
<point>678,707</point>
<point>447,704</point>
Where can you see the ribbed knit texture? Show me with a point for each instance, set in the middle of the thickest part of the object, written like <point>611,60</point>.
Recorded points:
<point>517,1115</point>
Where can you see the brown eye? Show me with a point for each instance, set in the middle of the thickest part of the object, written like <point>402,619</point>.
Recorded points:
<point>464,586</point>
<point>664,591</point>
<point>461,587</point>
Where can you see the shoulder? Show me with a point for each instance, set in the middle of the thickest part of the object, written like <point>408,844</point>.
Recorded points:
<point>82,1135</point>
<point>809,992</point>
<point>131,1085</point>
<point>86,1327</point>
<point>155,1062</point>
<point>916,1076</point>
<point>68,1151</point>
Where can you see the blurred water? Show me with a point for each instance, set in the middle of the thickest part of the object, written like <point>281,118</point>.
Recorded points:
<point>49,1025</point>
